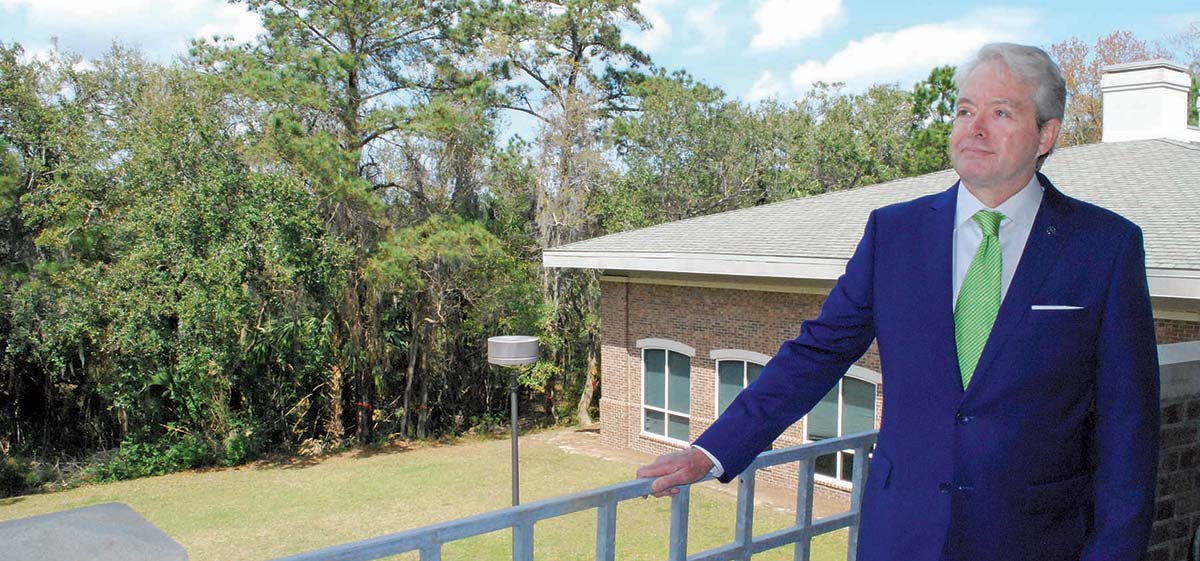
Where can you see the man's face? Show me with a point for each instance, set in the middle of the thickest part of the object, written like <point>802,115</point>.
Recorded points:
<point>996,140</point>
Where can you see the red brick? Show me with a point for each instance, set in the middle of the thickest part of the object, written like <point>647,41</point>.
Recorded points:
<point>1164,510</point>
<point>1193,413</point>
<point>1172,414</point>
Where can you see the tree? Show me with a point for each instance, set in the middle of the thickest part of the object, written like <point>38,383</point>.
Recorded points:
<point>690,152</point>
<point>165,299</point>
<point>339,78</point>
<point>933,101</point>
<point>565,64</point>
<point>856,139</point>
<point>1081,66</point>
<point>457,285</point>
<point>1188,44</point>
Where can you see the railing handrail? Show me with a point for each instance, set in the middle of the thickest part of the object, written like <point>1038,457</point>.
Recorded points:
<point>522,518</point>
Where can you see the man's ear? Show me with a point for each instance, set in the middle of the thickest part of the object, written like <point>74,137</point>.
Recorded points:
<point>1048,135</point>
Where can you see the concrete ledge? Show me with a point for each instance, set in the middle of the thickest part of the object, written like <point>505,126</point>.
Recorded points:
<point>104,532</point>
<point>1179,370</point>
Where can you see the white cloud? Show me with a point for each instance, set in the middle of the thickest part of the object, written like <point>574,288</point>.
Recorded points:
<point>907,55</point>
<point>652,39</point>
<point>705,27</point>
<point>162,29</point>
<point>782,23</point>
<point>235,21</point>
<point>767,86</point>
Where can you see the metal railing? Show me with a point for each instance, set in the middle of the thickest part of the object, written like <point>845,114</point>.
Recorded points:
<point>522,519</point>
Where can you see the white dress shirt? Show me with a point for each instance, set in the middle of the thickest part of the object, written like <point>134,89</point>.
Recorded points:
<point>1019,211</point>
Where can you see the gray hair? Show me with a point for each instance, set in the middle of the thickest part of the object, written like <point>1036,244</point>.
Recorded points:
<point>1030,64</point>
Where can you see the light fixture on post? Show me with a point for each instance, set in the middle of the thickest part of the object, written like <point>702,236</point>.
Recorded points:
<point>513,351</point>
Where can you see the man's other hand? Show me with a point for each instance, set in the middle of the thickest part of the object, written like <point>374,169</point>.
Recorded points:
<point>675,469</point>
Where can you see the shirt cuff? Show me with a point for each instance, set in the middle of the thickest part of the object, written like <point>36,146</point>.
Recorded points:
<point>717,470</point>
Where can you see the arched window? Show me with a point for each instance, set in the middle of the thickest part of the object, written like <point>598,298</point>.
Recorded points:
<point>666,388</point>
<point>847,409</point>
<point>736,369</point>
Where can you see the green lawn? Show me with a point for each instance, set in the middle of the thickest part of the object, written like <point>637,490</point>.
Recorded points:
<point>267,511</point>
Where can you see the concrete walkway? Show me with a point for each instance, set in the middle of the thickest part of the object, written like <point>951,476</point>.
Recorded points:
<point>587,442</point>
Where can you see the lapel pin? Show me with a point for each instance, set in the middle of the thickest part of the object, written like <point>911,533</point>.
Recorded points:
<point>1051,230</point>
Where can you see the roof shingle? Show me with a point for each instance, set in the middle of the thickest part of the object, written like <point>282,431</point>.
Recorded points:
<point>1154,183</point>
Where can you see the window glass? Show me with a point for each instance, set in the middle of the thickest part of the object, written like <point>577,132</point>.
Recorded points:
<point>856,412</point>
<point>729,382</point>
<point>677,428</point>
<point>827,465</point>
<point>847,473</point>
<point>752,372</point>
<point>655,422</point>
<point>822,420</point>
<point>655,379</point>
<point>858,404</point>
<point>679,386</point>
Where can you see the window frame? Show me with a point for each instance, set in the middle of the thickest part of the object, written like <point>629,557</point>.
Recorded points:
<point>863,375</point>
<point>668,346</point>
<point>730,355</point>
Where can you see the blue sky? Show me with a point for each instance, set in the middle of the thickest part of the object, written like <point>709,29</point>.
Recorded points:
<point>776,48</point>
<point>752,49</point>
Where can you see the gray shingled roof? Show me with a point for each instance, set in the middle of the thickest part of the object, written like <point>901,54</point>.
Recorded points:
<point>1154,183</point>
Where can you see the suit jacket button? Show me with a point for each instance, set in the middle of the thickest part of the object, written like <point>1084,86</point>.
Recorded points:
<point>963,419</point>
<point>945,487</point>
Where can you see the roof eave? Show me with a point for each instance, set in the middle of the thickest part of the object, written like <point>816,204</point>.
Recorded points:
<point>1164,283</point>
<point>764,266</point>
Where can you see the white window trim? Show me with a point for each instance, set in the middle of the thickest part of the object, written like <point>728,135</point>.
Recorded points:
<point>722,355</point>
<point>653,343</point>
<point>858,373</point>
<point>739,354</point>
<point>668,346</point>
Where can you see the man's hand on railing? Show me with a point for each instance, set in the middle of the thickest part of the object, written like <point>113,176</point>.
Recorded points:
<point>675,469</point>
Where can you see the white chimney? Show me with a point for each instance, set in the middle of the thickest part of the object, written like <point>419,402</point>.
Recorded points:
<point>1145,100</point>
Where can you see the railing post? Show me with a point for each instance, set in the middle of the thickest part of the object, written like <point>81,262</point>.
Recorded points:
<point>431,552</point>
<point>859,480</point>
<point>606,532</point>
<point>679,524</point>
<point>744,534</point>
<point>523,541</point>
<point>804,506</point>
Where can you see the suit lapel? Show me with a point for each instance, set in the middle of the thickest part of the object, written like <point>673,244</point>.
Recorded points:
<point>939,231</point>
<point>1037,260</point>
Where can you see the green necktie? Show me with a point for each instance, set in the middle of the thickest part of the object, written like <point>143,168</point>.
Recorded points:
<point>979,297</point>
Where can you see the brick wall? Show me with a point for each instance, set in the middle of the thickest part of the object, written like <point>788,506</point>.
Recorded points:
<point>706,319</point>
<point>1176,331</point>
<point>1177,510</point>
<point>615,366</point>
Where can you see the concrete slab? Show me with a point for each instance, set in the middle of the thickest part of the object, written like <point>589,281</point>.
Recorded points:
<point>103,532</point>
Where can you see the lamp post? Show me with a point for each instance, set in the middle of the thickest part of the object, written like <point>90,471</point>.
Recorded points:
<point>511,351</point>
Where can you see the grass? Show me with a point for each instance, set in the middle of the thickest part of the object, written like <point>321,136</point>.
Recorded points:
<point>276,509</point>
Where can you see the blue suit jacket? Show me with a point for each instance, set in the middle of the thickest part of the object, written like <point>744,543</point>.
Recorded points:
<point>1049,454</point>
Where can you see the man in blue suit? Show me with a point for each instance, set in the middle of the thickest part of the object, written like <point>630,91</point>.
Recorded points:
<point>1016,345</point>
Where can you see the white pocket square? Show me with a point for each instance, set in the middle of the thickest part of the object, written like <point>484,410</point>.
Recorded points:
<point>1037,307</point>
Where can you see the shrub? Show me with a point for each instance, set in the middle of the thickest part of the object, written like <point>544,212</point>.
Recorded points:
<point>14,476</point>
<point>142,459</point>
<point>244,443</point>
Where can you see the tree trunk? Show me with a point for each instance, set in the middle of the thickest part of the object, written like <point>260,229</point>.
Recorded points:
<point>413,348</point>
<point>423,407</point>
<point>583,411</point>
<point>333,428</point>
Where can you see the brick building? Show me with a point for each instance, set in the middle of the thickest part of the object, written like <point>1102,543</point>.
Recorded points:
<point>690,310</point>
